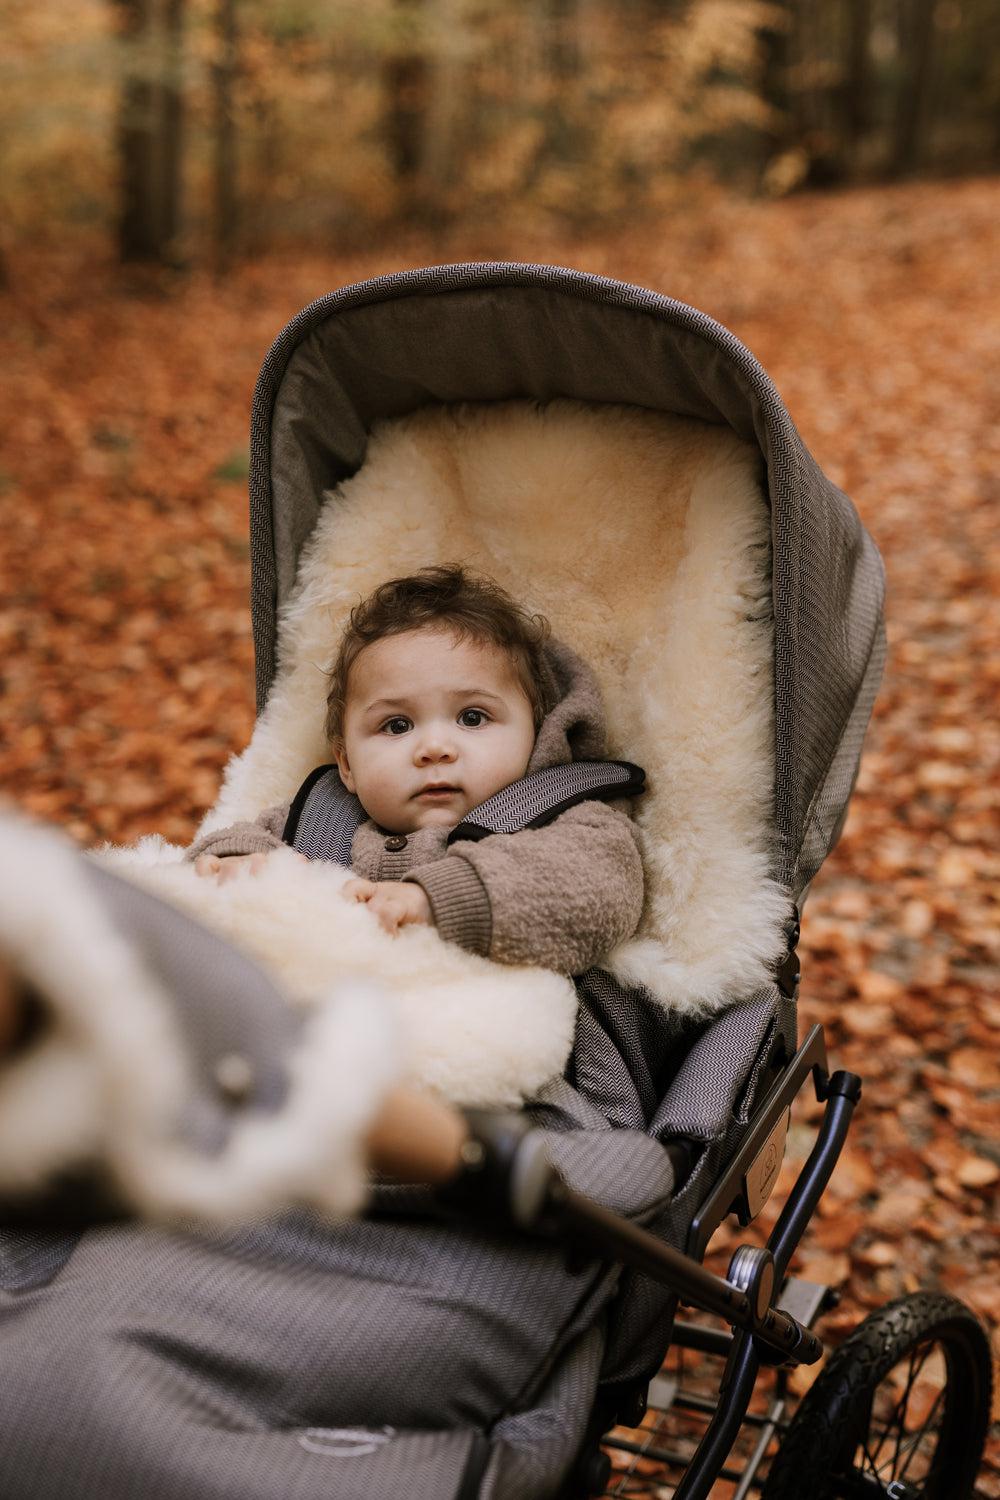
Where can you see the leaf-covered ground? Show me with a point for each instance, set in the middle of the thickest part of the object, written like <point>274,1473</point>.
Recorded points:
<point>126,658</point>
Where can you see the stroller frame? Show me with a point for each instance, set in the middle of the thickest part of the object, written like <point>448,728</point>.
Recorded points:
<point>485,333</point>
<point>769,1316</point>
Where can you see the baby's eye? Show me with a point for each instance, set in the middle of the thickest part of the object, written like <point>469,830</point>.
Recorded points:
<point>396,725</point>
<point>472,718</point>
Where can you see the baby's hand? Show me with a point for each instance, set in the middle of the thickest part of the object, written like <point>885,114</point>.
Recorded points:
<point>394,902</point>
<point>223,867</point>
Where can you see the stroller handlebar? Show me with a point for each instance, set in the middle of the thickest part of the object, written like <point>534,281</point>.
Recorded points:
<point>507,1175</point>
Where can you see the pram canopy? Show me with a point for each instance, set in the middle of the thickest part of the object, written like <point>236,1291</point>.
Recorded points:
<point>499,332</point>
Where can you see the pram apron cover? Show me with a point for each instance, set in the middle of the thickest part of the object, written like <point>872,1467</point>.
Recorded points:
<point>408,1353</point>
<point>500,332</point>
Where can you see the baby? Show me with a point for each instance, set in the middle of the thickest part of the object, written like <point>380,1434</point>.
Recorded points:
<point>443,693</point>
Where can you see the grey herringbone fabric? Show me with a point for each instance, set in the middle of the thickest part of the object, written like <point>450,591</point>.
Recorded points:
<point>297,1359</point>
<point>30,1257</point>
<point>700,1105</point>
<point>330,817</point>
<point>659,1078</point>
<point>497,332</point>
<point>232,1366</point>
<point>625,1049</point>
<point>532,1449</point>
<point>537,798</point>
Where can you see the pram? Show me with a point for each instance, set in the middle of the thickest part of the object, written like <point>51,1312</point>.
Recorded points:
<point>666,1121</point>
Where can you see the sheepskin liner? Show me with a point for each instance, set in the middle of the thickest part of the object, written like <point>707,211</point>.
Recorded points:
<point>110,1082</point>
<point>476,1033</point>
<point>645,540</point>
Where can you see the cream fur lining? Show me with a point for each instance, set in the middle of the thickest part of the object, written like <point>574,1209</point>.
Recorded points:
<point>109,1081</point>
<point>475,1032</point>
<point>645,540</point>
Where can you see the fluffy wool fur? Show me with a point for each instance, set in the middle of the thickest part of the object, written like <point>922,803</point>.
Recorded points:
<point>475,1032</point>
<point>108,1083</point>
<point>645,539</point>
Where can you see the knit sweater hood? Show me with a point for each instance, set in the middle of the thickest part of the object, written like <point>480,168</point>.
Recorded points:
<point>574,726</point>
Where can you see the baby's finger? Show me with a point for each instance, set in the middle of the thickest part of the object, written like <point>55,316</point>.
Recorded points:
<point>358,890</point>
<point>257,862</point>
<point>207,864</point>
<point>388,917</point>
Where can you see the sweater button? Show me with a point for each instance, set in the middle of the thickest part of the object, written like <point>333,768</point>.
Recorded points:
<point>234,1077</point>
<point>397,842</point>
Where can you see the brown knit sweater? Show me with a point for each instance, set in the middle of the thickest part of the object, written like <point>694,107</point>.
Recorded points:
<point>560,896</point>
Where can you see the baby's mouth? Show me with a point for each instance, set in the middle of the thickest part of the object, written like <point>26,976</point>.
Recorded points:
<point>438,792</point>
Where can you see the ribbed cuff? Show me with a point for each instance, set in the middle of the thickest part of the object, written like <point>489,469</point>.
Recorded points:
<point>241,838</point>
<point>459,902</point>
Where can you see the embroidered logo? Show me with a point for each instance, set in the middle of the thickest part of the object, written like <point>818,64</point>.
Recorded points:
<point>345,1442</point>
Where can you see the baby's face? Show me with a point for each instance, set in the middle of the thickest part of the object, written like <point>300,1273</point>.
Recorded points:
<point>433,725</point>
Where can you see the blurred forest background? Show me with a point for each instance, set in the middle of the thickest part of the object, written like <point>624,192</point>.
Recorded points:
<point>179,177</point>
<point>195,129</point>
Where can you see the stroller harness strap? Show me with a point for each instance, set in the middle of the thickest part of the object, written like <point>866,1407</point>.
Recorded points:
<point>324,815</point>
<point>539,798</point>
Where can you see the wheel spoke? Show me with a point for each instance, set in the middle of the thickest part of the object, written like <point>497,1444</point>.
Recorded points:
<point>896,1417</point>
<point>905,1398</point>
<point>907,1451</point>
<point>888,1467</point>
<point>921,1434</point>
<point>873,1466</point>
<point>892,1420</point>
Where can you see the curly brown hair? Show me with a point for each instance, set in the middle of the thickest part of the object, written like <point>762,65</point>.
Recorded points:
<point>450,597</point>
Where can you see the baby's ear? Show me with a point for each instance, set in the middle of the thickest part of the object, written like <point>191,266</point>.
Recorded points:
<point>343,766</point>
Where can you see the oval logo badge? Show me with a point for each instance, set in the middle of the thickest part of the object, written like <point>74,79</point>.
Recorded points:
<point>345,1442</point>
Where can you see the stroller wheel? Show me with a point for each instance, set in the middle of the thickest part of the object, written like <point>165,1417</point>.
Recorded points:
<point>901,1410</point>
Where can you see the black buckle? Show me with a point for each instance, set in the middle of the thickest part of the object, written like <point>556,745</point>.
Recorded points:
<point>789,971</point>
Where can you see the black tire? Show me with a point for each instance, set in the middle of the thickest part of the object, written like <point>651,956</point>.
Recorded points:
<point>822,1456</point>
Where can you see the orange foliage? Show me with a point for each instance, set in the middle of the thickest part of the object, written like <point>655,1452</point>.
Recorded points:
<point>127,660</point>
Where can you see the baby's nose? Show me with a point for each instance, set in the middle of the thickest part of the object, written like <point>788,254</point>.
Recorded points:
<point>434,747</point>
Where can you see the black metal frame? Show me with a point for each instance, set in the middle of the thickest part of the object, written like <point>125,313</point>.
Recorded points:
<point>764,1328</point>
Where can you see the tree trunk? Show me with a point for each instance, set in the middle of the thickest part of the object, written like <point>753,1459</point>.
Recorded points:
<point>857,81</point>
<point>562,63</point>
<point>225,197</point>
<point>775,67</point>
<point>916,45</point>
<point>150,129</point>
<point>138,228</point>
<point>439,129</point>
<point>171,127</point>
<point>405,81</point>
